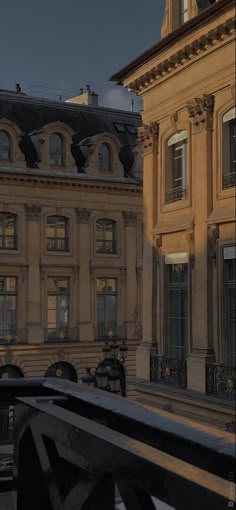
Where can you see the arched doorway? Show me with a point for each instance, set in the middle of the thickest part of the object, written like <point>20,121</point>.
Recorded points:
<point>62,370</point>
<point>10,371</point>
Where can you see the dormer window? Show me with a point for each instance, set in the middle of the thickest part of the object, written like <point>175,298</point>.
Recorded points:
<point>104,156</point>
<point>56,150</point>
<point>4,146</point>
<point>183,11</point>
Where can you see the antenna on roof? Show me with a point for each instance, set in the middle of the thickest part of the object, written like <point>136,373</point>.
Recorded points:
<point>18,88</point>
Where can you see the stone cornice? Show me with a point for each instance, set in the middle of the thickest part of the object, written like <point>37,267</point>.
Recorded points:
<point>183,56</point>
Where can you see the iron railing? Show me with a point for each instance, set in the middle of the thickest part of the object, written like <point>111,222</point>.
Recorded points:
<point>175,194</point>
<point>57,243</point>
<point>12,335</point>
<point>73,446</point>
<point>221,380</point>
<point>168,371</point>
<point>62,334</point>
<point>229,180</point>
<point>104,330</point>
<point>103,246</point>
<point>8,242</point>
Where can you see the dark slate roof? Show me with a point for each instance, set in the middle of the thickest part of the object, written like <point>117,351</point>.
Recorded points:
<point>31,114</point>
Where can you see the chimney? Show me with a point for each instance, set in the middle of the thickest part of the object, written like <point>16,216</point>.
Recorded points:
<point>87,97</point>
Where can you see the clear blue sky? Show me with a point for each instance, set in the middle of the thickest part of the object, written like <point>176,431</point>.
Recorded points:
<point>67,44</point>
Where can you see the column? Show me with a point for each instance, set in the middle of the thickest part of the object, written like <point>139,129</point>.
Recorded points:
<point>130,221</point>
<point>84,311</point>
<point>201,113</point>
<point>34,305</point>
<point>149,139</point>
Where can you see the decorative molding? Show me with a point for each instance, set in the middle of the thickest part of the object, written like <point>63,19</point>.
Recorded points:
<point>158,244</point>
<point>201,110</point>
<point>33,212</point>
<point>213,236</point>
<point>147,135</point>
<point>60,355</point>
<point>130,218</point>
<point>174,120</point>
<point>183,56</point>
<point>83,215</point>
<point>190,240</point>
<point>8,358</point>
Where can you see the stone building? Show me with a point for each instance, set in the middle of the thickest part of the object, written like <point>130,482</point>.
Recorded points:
<point>186,360</point>
<point>70,233</point>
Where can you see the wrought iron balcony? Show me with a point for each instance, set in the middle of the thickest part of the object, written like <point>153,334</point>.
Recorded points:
<point>169,371</point>
<point>8,242</point>
<point>57,243</point>
<point>103,246</point>
<point>175,194</point>
<point>74,447</point>
<point>229,180</point>
<point>11,335</point>
<point>61,335</point>
<point>221,380</point>
<point>104,330</point>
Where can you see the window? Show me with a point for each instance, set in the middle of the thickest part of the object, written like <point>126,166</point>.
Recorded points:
<point>177,309</point>
<point>183,11</point>
<point>229,149</point>
<point>106,306</point>
<point>56,150</point>
<point>104,156</point>
<point>57,233</point>
<point>176,171</point>
<point>229,306</point>
<point>58,309</point>
<point>8,237</point>
<point>105,236</point>
<point>4,146</point>
<point>7,308</point>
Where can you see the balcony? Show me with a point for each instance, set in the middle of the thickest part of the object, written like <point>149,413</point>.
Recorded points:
<point>172,372</point>
<point>221,381</point>
<point>229,180</point>
<point>11,335</point>
<point>106,247</point>
<point>76,447</point>
<point>104,330</point>
<point>57,243</point>
<point>8,242</point>
<point>61,335</point>
<point>175,194</point>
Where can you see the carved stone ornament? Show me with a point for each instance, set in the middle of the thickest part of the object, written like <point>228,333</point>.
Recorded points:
<point>174,120</point>
<point>190,240</point>
<point>213,236</point>
<point>83,215</point>
<point>61,355</point>
<point>130,218</point>
<point>148,134</point>
<point>158,243</point>
<point>33,212</point>
<point>8,358</point>
<point>201,110</point>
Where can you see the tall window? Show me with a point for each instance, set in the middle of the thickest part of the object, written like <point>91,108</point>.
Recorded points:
<point>104,155</point>
<point>177,311</point>
<point>229,307</point>
<point>4,146</point>
<point>7,308</point>
<point>58,308</point>
<point>183,11</point>
<point>106,306</point>
<point>56,149</point>
<point>57,233</point>
<point>105,236</point>
<point>8,236</point>
<point>229,149</point>
<point>176,170</point>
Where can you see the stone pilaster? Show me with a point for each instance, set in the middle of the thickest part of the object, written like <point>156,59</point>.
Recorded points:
<point>130,221</point>
<point>34,322</point>
<point>84,311</point>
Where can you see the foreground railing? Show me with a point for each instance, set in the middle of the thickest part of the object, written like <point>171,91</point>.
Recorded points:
<point>74,446</point>
<point>221,380</point>
<point>169,371</point>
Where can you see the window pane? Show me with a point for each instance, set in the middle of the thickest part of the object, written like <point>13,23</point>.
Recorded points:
<point>104,156</point>
<point>4,146</point>
<point>229,312</point>
<point>11,284</point>
<point>233,145</point>
<point>177,311</point>
<point>56,149</point>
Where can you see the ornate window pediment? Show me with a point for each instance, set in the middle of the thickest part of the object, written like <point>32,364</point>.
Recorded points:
<point>101,153</point>
<point>53,146</point>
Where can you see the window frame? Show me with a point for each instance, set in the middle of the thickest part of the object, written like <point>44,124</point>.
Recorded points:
<point>50,152</point>
<point>177,142</point>
<point>113,240</point>
<point>58,238</point>
<point>61,332</point>
<point>108,325</point>
<point>4,236</point>
<point>12,329</point>
<point>8,136</point>
<point>228,149</point>
<point>101,168</point>
<point>226,352</point>
<point>183,11</point>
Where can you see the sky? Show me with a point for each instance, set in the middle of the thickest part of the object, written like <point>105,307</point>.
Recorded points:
<point>55,47</point>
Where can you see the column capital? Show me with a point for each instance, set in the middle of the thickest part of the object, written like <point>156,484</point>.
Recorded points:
<point>130,218</point>
<point>83,215</point>
<point>200,110</point>
<point>33,212</point>
<point>148,134</point>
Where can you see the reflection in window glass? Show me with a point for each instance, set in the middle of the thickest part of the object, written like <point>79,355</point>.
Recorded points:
<point>57,235</point>
<point>58,308</point>
<point>105,236</point>
<point>106,306</point>
<point>177,311</point>
<point>8,239</point>
<point>104,156</point>
<point>4,146</point>
<point>7,308</point>
<point>56,149</point>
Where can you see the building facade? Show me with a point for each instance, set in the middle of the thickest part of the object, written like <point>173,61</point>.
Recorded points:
<point>187,82</point>
<point>70,234</point>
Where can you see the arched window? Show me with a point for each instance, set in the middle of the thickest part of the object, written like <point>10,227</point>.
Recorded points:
<point>57,233</point>
<point>104,155</point>
<point>63,370</point>
<point>8,235</point>
<point>105,236</point>
<point>4,146</point>
<point>56,150</point>
<point>229,149</point>
<point>176,167</point>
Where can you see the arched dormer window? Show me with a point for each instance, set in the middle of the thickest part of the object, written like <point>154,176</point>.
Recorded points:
<point>5,152</point>
<point>105,158</point>
<point>229,149</point>
<point>57,233</point>
<point>8,233</point>
<point>56,150</point>
<point>176,167</point>
<point>105,236</point>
